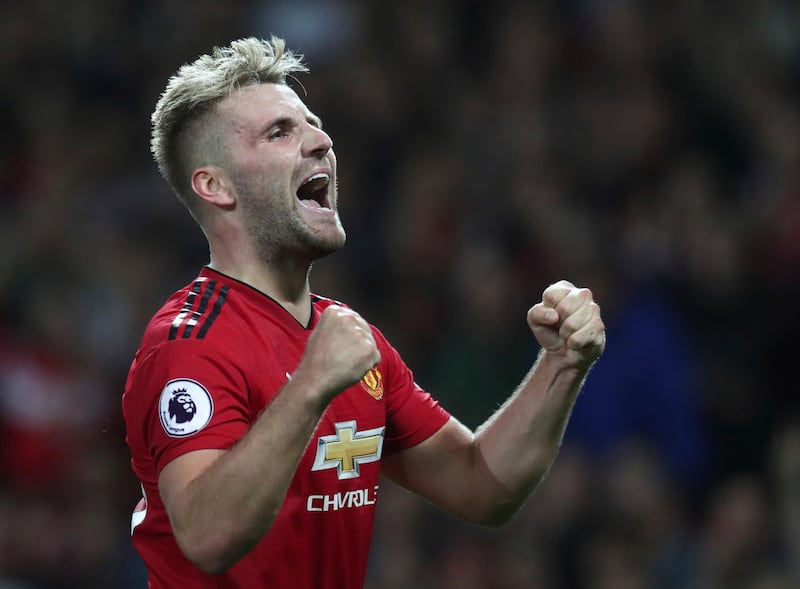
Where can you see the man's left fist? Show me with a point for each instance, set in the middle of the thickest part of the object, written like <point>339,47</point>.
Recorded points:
<point>567,322</point>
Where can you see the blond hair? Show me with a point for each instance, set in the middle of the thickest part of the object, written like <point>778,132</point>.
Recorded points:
<point>184,136</point>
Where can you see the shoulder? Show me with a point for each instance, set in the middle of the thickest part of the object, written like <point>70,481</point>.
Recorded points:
<point>197,311</point>
<point>199,371</point>
<point>192,325</point>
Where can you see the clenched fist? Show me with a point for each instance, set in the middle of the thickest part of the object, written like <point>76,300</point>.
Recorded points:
<point>567,323</point>
<point>339,352</point>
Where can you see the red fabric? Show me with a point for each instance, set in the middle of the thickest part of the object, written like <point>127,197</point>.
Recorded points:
<point>321,537</point>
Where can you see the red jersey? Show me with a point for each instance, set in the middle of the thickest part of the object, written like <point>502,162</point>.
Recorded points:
<point>210,360</point>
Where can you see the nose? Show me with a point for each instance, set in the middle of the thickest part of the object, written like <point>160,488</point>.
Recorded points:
<point>318,142</point>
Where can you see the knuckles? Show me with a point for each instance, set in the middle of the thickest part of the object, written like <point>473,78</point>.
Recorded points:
<point>576,304</point>
<point>580,325</point>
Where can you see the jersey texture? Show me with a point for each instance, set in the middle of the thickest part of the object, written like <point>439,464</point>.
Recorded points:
<point>210,360</point>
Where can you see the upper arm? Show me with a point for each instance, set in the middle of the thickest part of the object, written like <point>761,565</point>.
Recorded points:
<point>178,473</point>
<point>438,468</point>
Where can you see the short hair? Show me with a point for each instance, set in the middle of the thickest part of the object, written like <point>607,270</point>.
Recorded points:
<point>182,138</point>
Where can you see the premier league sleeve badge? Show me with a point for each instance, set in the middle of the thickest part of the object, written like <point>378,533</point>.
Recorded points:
<point>185,407</point>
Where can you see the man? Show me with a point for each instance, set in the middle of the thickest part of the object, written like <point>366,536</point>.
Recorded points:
<point>260,416</point>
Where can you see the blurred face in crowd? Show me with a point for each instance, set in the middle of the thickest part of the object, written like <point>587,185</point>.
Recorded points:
<point>283,169</point>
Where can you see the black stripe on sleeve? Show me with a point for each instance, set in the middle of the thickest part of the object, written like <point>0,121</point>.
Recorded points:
<point>185,310</point>
<point>223,293</point>
<point>201,309</point>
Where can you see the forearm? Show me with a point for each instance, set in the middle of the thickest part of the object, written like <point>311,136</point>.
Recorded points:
<point>513,450</point>
<point>486,476</point>
<point>221,503</point>
<point>224,511</point>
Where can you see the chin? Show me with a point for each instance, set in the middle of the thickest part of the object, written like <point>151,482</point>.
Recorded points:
<point>331,247</point>
<point>320,245</point>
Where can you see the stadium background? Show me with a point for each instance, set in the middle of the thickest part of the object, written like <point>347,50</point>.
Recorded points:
<point>647,149</point>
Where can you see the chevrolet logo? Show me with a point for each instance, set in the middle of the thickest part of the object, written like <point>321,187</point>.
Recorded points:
<point>348,449</point>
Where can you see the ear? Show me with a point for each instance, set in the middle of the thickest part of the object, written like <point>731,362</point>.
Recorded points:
<point>212,185</point>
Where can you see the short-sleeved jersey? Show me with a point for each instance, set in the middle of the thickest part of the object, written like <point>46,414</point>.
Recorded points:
<point>210,361</point>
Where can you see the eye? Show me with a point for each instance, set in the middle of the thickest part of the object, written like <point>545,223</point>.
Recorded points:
<point>278,134</point>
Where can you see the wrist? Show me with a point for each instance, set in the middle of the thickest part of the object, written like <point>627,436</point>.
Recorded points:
<point>566,361</point>
<point>308,390</point>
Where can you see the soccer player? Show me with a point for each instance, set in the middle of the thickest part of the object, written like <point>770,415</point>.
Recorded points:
<point>259,415</point>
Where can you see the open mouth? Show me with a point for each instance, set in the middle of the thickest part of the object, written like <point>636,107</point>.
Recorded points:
<point>313,192</point>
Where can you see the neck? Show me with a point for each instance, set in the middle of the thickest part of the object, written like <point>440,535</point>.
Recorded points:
<point>287,283</point>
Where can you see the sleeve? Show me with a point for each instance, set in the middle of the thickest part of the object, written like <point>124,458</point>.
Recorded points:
<point>189,396</point>
<point>412,414</point>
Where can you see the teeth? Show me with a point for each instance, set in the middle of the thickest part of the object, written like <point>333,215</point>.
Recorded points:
<point>313,186</point>
<point>317,177</point>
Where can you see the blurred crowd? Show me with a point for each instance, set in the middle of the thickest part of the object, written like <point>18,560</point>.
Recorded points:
<point>648,150</point>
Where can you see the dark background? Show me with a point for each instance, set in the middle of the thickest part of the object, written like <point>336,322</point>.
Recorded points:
<point>648,150</point>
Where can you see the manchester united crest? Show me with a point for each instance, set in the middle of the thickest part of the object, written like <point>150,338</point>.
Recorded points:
<point>373,384</point>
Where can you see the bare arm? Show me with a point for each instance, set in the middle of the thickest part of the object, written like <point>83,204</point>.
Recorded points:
<point>486,476</point>
<point>221,503</point>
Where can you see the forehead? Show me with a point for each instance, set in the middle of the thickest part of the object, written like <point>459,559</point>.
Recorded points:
<point>256,104</point>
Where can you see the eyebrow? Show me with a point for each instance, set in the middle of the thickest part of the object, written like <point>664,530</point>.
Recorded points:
<point>287,121</point>
<point>314,120</point>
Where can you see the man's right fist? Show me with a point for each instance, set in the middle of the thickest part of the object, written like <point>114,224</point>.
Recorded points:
<point>339,352</point>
